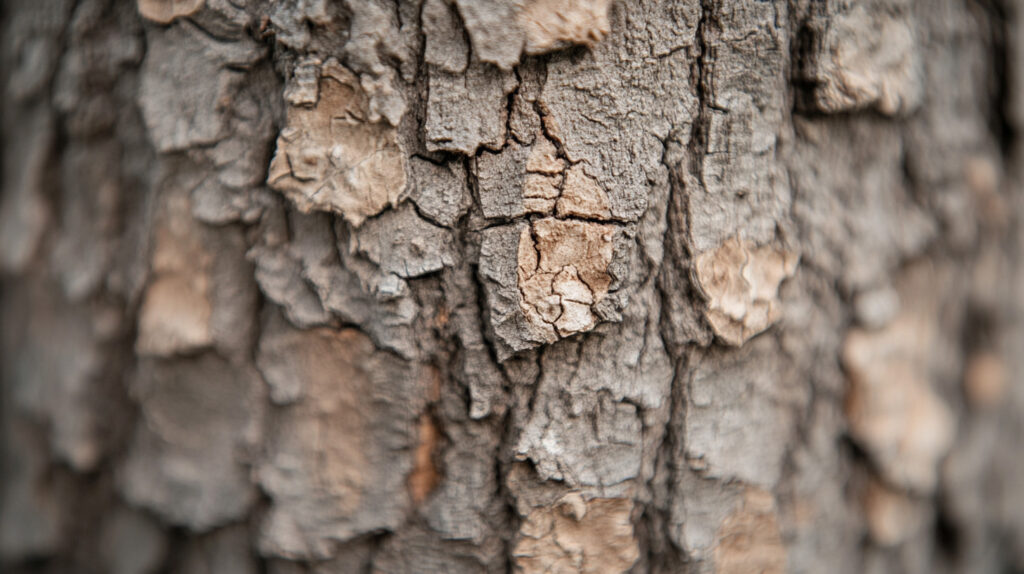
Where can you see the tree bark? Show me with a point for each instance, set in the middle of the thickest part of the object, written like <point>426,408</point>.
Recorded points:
<point>512,285</point>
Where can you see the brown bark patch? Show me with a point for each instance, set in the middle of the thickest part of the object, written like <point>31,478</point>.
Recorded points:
<point>563,273</point>
<point>892,410</point>
<point>583,197</point>
<point>425,476</point>
<point>985,379</point>
<point>553,24</point>
<point>339,463</point>
<point>740,282</point>
<point>330,157</point>
<point>165,11</point>
<point>892,516</point>
<point>749,538</point>
<point>176,308</point>
<point>578,536</point>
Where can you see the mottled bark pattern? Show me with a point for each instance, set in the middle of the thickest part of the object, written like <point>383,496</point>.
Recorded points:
<point>574,286</point>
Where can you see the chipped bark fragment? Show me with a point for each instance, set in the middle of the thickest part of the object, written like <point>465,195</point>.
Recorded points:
<point>578,536</point>
<point>553,24</point>
<point>749,539</point>
<point>893,412</point>
<point>330,157</point>
<point>522,179</point>
<point>740,283</point>
<point>376,43</point>
<point>165,11</point>
<point>304,87</point>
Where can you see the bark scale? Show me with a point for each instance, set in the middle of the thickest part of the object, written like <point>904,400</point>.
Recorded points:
<point>511,285</point>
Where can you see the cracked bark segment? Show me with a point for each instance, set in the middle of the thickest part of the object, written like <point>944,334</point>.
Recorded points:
<point>738,183</point>
<point>563,273</point>
<point>166,11</point>
<point>869,58</point>
<point>578,535</point>
<point>740,282</point>
<point>279,269</point>
<point>501,30</point>
<point>331,157</point>
<point>616,122</point>
<point>461,508</point>
<point>338,466</point>
<point>546,280</point>
<point>466,111</point>
<point>583,197</point>
<point>599,401</point>
<point>520,179</point>
<point>490,25</point>
<point>202,416</point>
<point>893,411</point>
<point>524,179</point>
<point>500,179</point>
<point>512,330</point>
<point>598,447</point>
<point>750,539</point>
<point>188,80</point>
<point>403,243</point>
<point>439,191</point>
<point>376,38</point>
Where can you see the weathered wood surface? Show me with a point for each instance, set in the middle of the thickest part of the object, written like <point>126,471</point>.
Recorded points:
<point>512,285</point>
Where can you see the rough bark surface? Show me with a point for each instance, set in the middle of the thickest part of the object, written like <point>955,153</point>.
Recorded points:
<point>313,286</point>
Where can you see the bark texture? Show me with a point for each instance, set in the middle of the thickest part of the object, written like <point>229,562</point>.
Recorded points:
<point>569,286</point>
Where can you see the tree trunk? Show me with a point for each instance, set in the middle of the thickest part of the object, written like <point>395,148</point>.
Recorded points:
<point>512,285</point>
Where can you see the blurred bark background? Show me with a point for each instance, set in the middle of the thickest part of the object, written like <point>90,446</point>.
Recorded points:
<point>512,285</point>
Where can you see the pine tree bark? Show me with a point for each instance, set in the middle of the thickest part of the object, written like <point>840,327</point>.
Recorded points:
<point>511,285</point>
